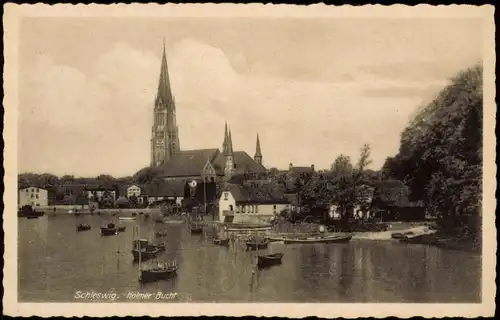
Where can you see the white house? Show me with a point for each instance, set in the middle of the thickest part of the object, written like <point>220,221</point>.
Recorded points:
<point>33,196</point>
<point>133,191</point>
<point>239,204</point>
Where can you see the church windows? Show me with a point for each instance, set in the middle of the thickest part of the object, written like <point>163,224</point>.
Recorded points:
<point>225,195</point>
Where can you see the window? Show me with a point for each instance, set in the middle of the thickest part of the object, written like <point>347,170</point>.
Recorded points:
<point>37,190</point>
<point>32,190</point>
<point>274,208</point>
<point>250,209</point>
<point>242,209</point>
<point>37,196</point>
<point>225,195</point>
<point>256,209</point>
<point>27,190</point>
<point>230,207</point>
<point>237,209</point>
<point>32,196</point>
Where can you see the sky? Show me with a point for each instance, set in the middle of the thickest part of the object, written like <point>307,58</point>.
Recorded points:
<point>311,88</point>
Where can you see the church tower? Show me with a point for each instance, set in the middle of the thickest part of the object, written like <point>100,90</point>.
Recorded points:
<point>164,133</point>
<point>228,153</point>
<point>258,154</point>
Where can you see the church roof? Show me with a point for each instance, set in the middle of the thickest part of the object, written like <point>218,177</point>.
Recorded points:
<point>242,163</point>
<point>188,163</point>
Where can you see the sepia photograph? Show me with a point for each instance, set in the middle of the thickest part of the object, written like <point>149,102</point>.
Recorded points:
<point>279,156</point>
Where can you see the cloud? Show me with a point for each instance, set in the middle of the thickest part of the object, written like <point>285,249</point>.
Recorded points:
<point>99,121</point>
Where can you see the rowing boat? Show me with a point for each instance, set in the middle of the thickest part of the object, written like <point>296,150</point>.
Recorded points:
<point>314,239</point>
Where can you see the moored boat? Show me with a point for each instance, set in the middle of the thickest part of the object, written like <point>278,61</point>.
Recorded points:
<point>257,244</point>
<point>144,244</point>
<point>196,229</point>
<point>127,218</point>
<point>145,253</point>
<point>158,272</point>
<point>269,259</point>
<point>83,227</point>
<point>314,239</point>
<point>109,230</point>
<point>221,241</point>
<point>401,235</point>
<point>161,233</point>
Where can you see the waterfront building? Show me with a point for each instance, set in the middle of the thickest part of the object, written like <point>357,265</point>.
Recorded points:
<point>172,192</point>
<point>101,193</point>
<point>33,196</point>
<point>250,204</point>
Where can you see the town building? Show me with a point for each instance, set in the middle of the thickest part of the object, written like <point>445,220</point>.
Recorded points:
<point>133,191</point>
<point>105,195</point>
<point>171,192</point>
<point>247,204</point>
<point>33,196</point>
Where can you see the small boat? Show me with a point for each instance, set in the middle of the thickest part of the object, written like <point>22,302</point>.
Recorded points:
<point>196,229</point>
<point>126,218</point>
<point>83,227</point>
<point>257,244</point>
<point>314,239</point>
<point>269,260</point>
<point>401,235</point>
<point>144,244</point>
<point>145,253</point>
<point>109,230</point>
<point>161,234</point>
<point>221,241</point>
<point>121,229</point>
<point>158,272</point>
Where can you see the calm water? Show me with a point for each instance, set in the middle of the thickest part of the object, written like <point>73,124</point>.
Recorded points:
<point>55,262</point>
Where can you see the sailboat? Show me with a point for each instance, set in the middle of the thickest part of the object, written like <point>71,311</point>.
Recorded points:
<point>155,271</point>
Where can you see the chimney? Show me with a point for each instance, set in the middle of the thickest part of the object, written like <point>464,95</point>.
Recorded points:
<point>290,166</point>
<point>312,167</point>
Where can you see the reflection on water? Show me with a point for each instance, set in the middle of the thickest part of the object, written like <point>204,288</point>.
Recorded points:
<point>55,262</point>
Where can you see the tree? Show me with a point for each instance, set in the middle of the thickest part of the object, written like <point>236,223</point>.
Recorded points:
<point>145,175</point>
<point>440,154</point>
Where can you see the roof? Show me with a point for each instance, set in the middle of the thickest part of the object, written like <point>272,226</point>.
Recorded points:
<point>242,163</point>
<point>255,195</point>
<point>188,163</point>
<point>165,189</point>
<point>299,170</point>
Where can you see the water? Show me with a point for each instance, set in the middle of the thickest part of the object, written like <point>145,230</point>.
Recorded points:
<point>55,262</point>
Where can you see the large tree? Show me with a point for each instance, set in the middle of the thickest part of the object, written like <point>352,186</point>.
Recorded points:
<point>440,156</point>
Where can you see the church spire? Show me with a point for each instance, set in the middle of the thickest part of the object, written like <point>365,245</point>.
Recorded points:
<point>224,144</point>
<point>258,152</point>
<point>229,143</point>
<point>164,94</point>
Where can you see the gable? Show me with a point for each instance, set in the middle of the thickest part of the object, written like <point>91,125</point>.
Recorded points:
<point>243,163</point>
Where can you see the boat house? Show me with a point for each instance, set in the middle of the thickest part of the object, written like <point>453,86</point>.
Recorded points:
<point>246,204</point>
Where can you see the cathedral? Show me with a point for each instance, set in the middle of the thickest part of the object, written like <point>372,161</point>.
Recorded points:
<point>202,164</point>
